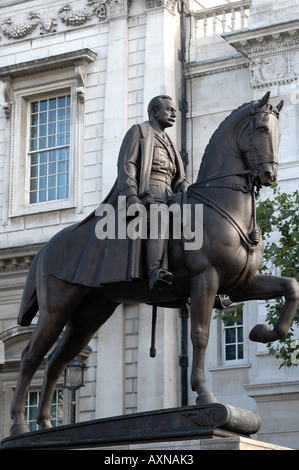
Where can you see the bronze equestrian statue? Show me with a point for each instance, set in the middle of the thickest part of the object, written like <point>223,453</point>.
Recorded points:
<point>74,286</point>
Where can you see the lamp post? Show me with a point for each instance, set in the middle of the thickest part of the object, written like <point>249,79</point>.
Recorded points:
<point>73,380</point>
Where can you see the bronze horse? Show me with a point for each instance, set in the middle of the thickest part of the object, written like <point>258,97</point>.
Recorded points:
<point>241,157</point>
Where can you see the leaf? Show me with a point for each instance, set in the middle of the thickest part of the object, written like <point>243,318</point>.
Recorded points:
<point>281,215</point>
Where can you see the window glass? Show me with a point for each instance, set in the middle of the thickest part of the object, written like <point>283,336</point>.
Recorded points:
<point>233,339</point>
<point>49,149</point>
<point>56,409</point>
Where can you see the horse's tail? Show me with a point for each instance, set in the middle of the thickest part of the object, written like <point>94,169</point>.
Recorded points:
<point>29,304</point>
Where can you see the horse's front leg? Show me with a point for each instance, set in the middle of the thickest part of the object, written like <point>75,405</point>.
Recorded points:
<point>266,287</point>
<point>204,288</point>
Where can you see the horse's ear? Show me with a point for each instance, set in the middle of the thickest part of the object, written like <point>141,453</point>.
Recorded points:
<point>280,106</point>
<point>264,100</point>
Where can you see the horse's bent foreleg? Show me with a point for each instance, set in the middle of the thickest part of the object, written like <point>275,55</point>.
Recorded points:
<point>84,323</point>
<point>203,291</point>
<point>270,287</point>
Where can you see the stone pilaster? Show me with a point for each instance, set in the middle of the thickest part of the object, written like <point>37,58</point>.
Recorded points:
<point>115,120</point>
<point>161,49</point>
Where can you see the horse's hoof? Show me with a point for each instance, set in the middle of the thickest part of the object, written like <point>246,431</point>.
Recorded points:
<point>44,424</point>
<point>263,334</point>
<point>206,398</point>
<point>19,429</point>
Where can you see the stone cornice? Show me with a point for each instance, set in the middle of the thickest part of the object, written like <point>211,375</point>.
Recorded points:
<point>272,52</point>
<point>277,391</point>
<point>18,258</point>
<point>48,63</point>
<point>257,41</point>
<point>210,67</point>
<point>13,3</point>
<point>77,59</point>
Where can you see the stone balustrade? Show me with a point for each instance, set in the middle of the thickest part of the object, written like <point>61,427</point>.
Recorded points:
<point>221,19</point>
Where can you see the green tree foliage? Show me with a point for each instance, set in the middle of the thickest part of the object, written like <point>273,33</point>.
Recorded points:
<point>278,219</point>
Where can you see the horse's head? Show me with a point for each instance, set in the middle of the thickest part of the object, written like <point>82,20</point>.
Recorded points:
<point>259,141</point>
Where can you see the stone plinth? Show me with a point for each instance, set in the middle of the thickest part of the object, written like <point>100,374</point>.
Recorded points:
<point>186,424</point>
<point>224,443</point>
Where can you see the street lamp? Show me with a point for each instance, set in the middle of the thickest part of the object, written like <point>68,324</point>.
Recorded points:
<point>73,380</point>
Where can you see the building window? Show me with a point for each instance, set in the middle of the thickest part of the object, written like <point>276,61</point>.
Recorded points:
<point>44,134</point>
<point>49,148</point>
<point>56,409</point>
<point>233,344</point>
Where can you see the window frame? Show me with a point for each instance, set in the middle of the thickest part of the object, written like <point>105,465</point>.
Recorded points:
<point>32,78</point>
<point>19,200</point>
<point>236,326</point>
<point>56,148</point>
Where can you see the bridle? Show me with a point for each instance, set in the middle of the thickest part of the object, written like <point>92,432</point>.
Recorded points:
<point>252,185</point>
<point>254,163</point>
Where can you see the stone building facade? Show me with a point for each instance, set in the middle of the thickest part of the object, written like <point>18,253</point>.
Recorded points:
<point>93,66</point>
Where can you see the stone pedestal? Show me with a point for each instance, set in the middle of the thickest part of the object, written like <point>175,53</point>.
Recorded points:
<point>224,443</point>
<point>186,427</point>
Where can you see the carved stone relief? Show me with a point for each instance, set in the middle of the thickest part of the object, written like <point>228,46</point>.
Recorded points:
<point>16,31</point>
<point>275,69</point>
<point>271,69</point>
<point>5,96</point>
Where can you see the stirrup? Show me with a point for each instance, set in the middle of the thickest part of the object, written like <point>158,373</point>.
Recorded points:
<point>160,278</point>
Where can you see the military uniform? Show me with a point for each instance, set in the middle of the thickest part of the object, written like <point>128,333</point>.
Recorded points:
<point>152,170</point>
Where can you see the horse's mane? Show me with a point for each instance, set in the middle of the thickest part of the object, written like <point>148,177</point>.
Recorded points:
<point>220,127</point>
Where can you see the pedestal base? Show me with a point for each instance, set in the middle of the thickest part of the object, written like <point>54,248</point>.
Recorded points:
<point>220,443</point>
<point>186,426</point>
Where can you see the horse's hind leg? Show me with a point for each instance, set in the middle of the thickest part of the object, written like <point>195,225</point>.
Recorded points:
<point>44,336</point>
<point>203,291</point>
<point>53,315</point>
<point>86,320</point>
<point>270,287</point>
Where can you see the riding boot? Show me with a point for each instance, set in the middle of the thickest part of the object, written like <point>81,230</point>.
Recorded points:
<point>158,276</point>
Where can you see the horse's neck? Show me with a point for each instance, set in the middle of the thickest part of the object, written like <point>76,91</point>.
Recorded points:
<point>220,160</point>
<point>217,176</point>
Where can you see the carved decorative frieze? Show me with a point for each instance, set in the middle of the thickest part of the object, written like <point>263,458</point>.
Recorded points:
<point>20,30</point>
<point>68,16</point>
<point>74,17</point>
